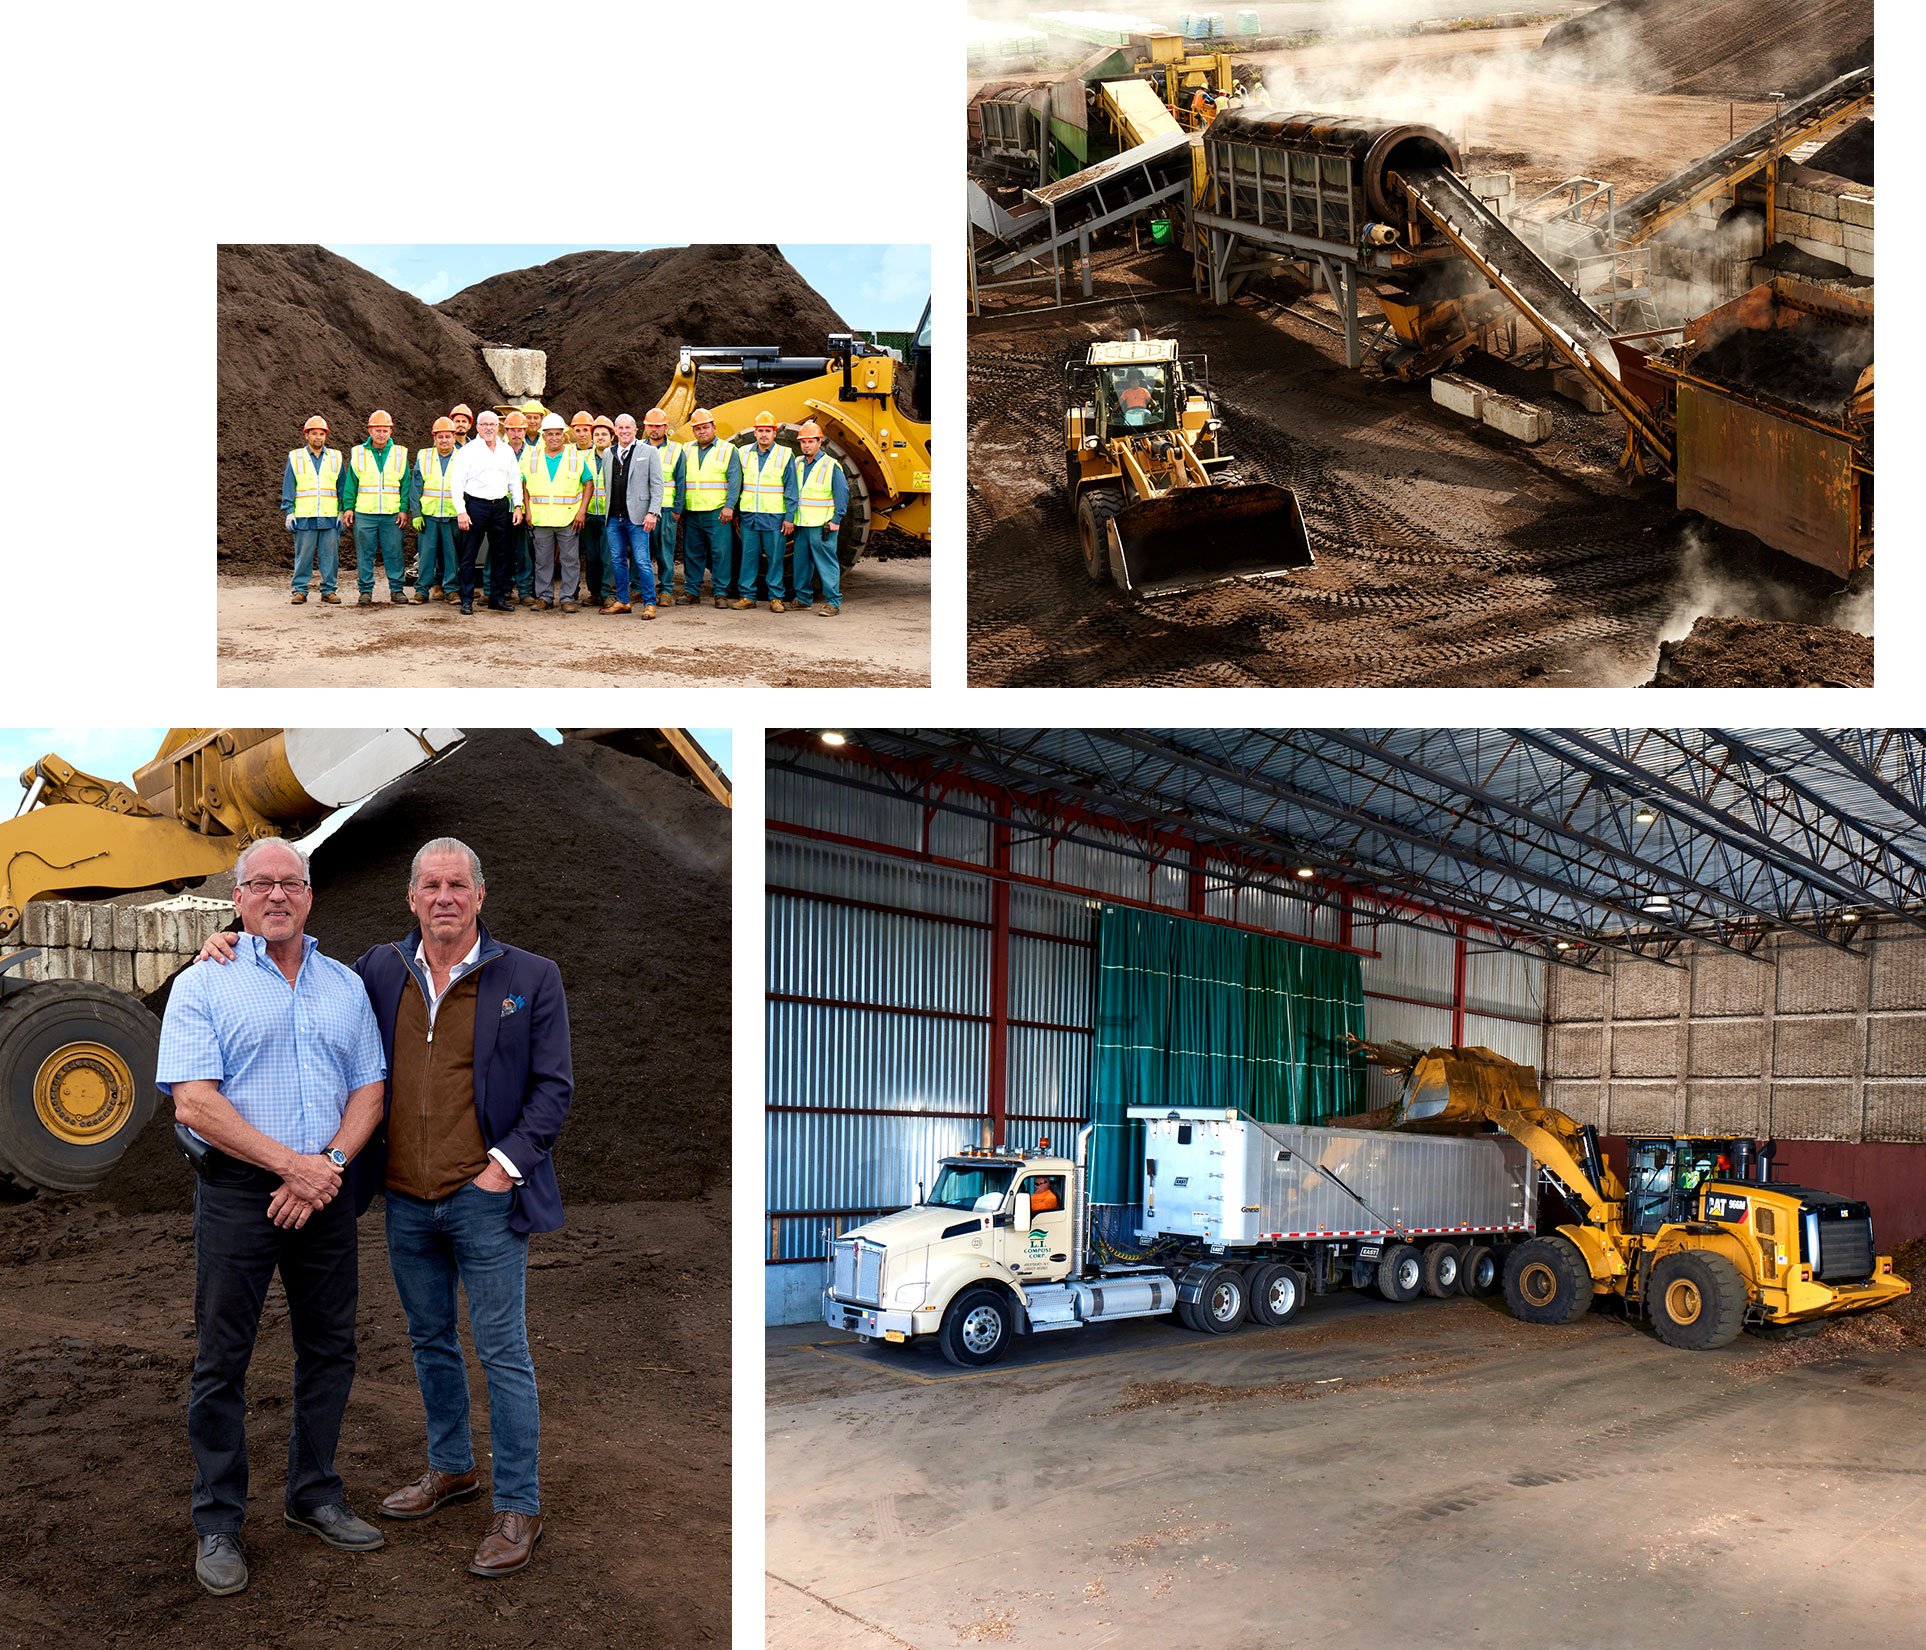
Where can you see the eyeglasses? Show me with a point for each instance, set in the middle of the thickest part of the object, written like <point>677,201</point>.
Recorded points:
<point>263,886</point>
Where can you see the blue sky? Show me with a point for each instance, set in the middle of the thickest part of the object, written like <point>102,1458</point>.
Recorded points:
<point>114,753</point>
<point>881,288</point>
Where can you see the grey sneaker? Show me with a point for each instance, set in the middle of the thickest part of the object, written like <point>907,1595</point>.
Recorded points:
<point>338,1528</point>
<point>220,1566</point>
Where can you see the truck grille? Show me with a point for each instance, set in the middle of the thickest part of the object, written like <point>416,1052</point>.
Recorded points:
<point>856,1272</point>
<point>1845,1249</point>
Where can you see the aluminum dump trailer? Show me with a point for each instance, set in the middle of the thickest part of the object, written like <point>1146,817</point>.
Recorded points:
<point>1230,1182</point>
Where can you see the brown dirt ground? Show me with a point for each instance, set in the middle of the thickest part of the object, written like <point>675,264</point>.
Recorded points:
<point>1737,47</point>
<point>1447,555</point>
<point>629,1319</point>
<point>880,639</point>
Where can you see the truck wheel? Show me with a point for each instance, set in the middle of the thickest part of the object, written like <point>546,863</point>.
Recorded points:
<point>1094,512</point>
<point>1400,1272</point>
<point>1697,1300</point>
<point>1277,1292</point>
<point>1547,1281</point>
<point>1441,1269</point>
<point>76,1081</point>
<point>1478,1270</point>
<point>1220,1308</point>
<point>976,1328</point>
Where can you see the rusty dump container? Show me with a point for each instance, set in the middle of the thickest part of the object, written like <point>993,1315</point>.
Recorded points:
<point>1199,536</point>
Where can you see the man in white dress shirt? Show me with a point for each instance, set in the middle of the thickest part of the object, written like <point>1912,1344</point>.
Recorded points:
<point>486,479</point>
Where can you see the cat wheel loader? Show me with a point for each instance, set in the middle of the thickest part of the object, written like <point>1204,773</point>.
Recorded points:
<point>1697,1238</point>
<point>1159,507</point>
<point>77,1057</point>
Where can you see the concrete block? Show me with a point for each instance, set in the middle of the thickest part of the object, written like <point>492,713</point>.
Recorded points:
<point>1816,1111</point>
<point>1575,994</point>
<point>1645,991</point>
<point>1822,1046</point>
<point>1582,1102</point>
<point>116,969</point>
<point>1645,1049</point>
<point>1458,395</point>
<point>126,927</point>
<point>1854,239</point>
<point>1896,1045</point>
<point>1899,970</point>
<point>148,923</point>
<point>151,970</point>
<point>518,371</point>
<point>1856,210</point>
<point>1815,979</point>
<point>1726,1108</point>
<point>1518,419</point>
<point>1895,1111</point>
<point>1809,201</point>
<point>1574,386</point>
<point>33,923</point>
<point>1723,984</point>
<point>1726,1048</point>
<point>1644,1108</point>
<point>1860,263</point>
<point>1822,232</point>
<point>1575,1051</point>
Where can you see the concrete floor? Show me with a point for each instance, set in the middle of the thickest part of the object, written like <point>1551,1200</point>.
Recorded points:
<point>1432,1474</point>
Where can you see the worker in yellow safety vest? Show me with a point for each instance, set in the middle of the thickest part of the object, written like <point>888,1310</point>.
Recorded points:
<point>768,495</point>
<point>376,480</point>
<point>581,435</point>
<point>822,500</point>
<point>708,481</point>
<point>557,483</point>
<point>432,503</point>
<point>463,421</point>
<point>655,431</point>
<point>311,506</point>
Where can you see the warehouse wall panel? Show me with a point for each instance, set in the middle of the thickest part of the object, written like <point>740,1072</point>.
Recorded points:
<point>1583,1102</point>
<point>1726,1048</point>
<point>1899,970</point>
<point>1820,1046</point>
<point>1575,1051</point>
<point>1724,984</point>
<point>1577,994</point>
<point>1645,1108</point>
<point>1817,1111</point>
<point>1646,1049</point>
<point>1896,1046</point>
<point>1814,979</point>
<point>1727,1108</point>
<point>1646,991</point>
<point>1896,1111</point>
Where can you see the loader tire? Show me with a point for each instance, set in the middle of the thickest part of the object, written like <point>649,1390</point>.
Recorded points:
<point>1400,1272</point>
<point>77,1066</point>
<point>1277,1294</point>
<point>1697,1300</point>
<point>977,1328</point>
<point>1547,1281</point>
<point>1441,1269</point>
<point>1480,1271</point>
<point>1095,511</point>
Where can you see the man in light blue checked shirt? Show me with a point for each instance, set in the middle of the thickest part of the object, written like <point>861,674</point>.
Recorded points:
<point>276,1065</point>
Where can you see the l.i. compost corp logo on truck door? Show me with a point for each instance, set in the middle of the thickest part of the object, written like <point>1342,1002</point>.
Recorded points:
<point>1039,1244</point>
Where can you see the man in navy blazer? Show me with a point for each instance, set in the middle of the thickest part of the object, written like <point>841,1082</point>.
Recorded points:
<point>479,1082</point>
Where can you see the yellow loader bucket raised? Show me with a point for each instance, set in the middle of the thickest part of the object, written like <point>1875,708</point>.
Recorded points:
<point>1200,536</point>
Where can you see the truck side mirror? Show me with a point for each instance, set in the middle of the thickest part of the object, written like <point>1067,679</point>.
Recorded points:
<point>1023,1211</point>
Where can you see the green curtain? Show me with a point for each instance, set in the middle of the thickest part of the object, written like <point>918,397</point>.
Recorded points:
<point>1197,1014</point>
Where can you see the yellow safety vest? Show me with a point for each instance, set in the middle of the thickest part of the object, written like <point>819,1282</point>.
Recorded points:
<point>668,453</point>
<point>378,488</point>
<point>436,500</point>
<point>762,477</point>
<point>816,492</point>
<point>553,500</point>
<point>705,478</point>
<point>592,461</point>
<point>317,488</point>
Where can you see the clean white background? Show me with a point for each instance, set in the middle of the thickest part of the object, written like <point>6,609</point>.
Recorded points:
<point>143,136</point>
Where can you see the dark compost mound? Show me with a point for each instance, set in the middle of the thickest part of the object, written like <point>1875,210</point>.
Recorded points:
<point>610,865</point>
<point>1761,653</point>
<point>1718,48</point>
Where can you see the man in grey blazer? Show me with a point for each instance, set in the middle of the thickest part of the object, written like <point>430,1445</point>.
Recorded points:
<point>635,506</point>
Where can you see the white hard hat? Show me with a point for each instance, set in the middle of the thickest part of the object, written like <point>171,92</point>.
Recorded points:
<point>553,422</point>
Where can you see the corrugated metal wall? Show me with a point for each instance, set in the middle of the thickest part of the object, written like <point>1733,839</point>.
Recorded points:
<point>863,1101</point>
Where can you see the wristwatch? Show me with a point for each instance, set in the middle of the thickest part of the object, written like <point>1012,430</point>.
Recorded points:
<point>336,1156</point>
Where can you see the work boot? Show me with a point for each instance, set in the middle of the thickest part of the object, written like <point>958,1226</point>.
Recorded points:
<point>429,1491</point>
<point>668,598</point>
<point>721,603</point>
<point>436,594</point>
<point>568,604</point>
<point>338,1527</point>
<point>648,611</point>
<point>395,600</point>
<point>496,604</point>
<point>421,598</point>
<point>300,596</point>
<point>366,599</point>
<point>804,604</point>
<point>220,1566</point>
<point>508,1545</point>
<point>832,610</point>
<point>616,607</point>
<point>776,606</point>
<point>468,607</point>
<point>331,599</point>
<point>741,604</point>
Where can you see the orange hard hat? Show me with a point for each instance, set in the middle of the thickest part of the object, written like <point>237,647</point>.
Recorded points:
<point>702,415</point>
<point>461,411</point>
<point>317,422</point>
<point>444,426</point>
<point>379,419</point>
<point>605,423</point>
<point>514,421</point>
<point>581,418</point>
<point>765,420</point>
<point>655,415</point>
<point>810,427</point>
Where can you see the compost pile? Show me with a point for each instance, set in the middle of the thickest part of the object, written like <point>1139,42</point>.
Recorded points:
<point>1814,366</point>
<point>611,866</point>
<point>1718,48</point>
<point>300,331</point>
<point>1849,155</point>
<point>611,322</point>
<point>1760,653</point>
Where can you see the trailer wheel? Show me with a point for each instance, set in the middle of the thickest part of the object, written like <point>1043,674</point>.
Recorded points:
<point>1277,1294</point>
<point>1441,1269</point>
<point>1697,1300</point>
<point>1400,1272</point>
<point>1220,1308</point>
<point>1479,1270</point>
<point>976,1328</point>
<point>1094,512</point>
<point>1547,1281</point>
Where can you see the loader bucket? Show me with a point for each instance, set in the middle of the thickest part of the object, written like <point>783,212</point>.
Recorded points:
<point>1201,536</point>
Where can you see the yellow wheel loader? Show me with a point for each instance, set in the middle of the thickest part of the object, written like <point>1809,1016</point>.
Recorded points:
<point>1697,1238</point>
<point>77,1057</point>
<point>874,412</point>
<point>1158,505</point>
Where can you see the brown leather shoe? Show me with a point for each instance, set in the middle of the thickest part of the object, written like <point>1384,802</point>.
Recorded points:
<point>615,607</point>
<point>648,612</point>
<point>332,599</point>
<point>426,1493</point>
<point>568,604</point>
<point>508,1545</point>
<point>741,604</point>
<point>299,597</point>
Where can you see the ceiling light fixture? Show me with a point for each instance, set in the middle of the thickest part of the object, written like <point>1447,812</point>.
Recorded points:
<point>1305,872</point>
<point>1645,814</point>
<point>832,738</point>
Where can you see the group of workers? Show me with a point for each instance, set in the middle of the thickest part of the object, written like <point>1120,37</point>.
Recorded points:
<point>562,516</point>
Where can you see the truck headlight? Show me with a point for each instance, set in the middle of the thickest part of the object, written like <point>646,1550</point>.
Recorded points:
<point>907,1294</point>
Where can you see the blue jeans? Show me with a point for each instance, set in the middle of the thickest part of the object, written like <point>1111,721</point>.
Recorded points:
<point>466,1238</point>
<point>708,545</point>
<point>817,560</point>
<point>313,544</point>
<point>662,551</point>
<point>381,531</point>
<point>435,564</point>
<point>629,547</point>
<point>762,547</point>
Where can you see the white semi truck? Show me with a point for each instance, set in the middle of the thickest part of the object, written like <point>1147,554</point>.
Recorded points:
<point>1238,1220</point>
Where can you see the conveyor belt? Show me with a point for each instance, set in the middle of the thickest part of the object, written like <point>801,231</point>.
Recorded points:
<point>1099,195</point>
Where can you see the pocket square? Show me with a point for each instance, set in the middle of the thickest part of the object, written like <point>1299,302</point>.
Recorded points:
<point>511,1004</point>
